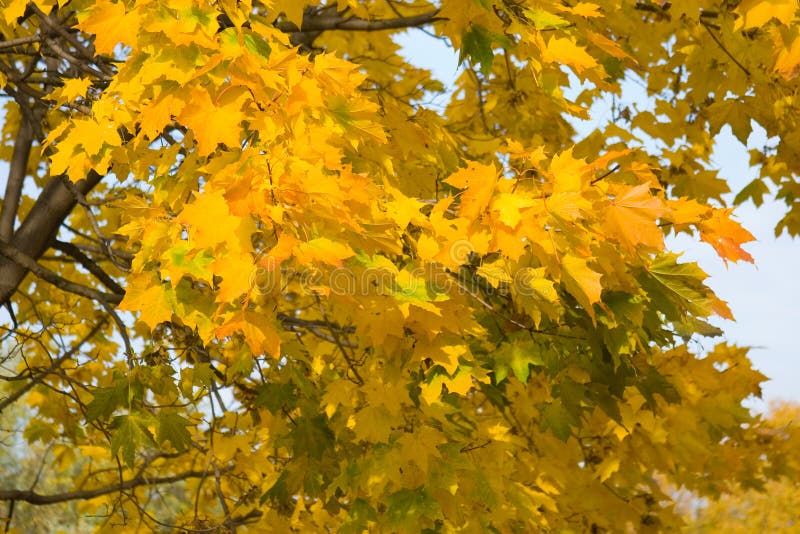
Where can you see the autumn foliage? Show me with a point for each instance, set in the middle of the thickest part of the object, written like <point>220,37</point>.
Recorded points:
<point>254,280</point>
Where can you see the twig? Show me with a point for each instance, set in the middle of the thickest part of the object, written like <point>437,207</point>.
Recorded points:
<point>315,327</point>
<point>123,331</point>
<point>722,46</point>
<point>351,362</point>
<point>4,403</point>
<point>102,239</point>
<point>606,174</point>
<point>57,27</point>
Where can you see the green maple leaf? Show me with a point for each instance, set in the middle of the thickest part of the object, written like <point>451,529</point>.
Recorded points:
<point>312,436</point>
<point>172,427</point>
<point>130,432</point>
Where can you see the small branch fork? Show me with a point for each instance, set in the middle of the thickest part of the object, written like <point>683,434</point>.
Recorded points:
<point>36,379</point>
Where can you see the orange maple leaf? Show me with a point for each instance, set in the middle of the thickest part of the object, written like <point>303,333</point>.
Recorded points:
<point>726,236</point>
<point>632,218</point>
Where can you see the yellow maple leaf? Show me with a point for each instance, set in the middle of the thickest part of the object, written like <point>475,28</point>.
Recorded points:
<point>292,10</point>
<point>323,250</point>
<point>111,24</point>
<point>93,134</point>
<point>508,207</point>
<point>567,172</point>
<point>444,355</point>
<point>239,275</point>
<point>71,90</point>
<point>607,467</point>
<point>419,446</point>
<point>209,220</point>
<point>787,63</point>
<point>237,10</point>
<point>726,236</point>
<point>756,13</point>
<point>156,115</point>
<point>582,282</point>
<point>608,46</point>
<point>427,247</point>
<point>432,390</point>
<point>686,211</point>
<point>478,182</point>
<point>403,209</point>
<point>146,294</point>
<point>12,10</point>
<point>282,250</point>
<point>495,273</point>
<point>563,50</point>
<point>304,94</point>
<point>372,424</point>
<point>213,122</point>
<point>260,333</point>
<point>585,9</point>
<point>461,383</point>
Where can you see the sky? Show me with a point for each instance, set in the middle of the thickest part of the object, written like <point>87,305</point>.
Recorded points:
<point>764,296</point>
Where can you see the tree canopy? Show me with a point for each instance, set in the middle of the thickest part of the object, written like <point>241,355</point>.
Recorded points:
<point>255,279</point>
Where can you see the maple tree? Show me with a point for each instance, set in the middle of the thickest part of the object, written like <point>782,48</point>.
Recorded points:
<point>253,281</point>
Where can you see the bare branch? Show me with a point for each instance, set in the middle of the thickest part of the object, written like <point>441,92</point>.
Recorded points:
<point>325,19</point>
<point>38,499</point>
<point>121,254</point>
<point>317,328</point>
<point>11,43</point>
<point>16,176</point>
<point>339,22</point>
<point>29,264</point>
<point>57,26</point>
<point>98,272</point>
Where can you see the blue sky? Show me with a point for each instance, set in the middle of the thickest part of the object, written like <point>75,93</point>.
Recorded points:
<point>764,297</point>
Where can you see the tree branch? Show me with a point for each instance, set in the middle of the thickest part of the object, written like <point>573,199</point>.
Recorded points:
<point>339,22</point>
<point>16,175</point>
<point>98,272</point>
<point>32,497</point>
<point>57,26</point>
<point>29,264</point>
<point>39,228</point>
<point>11,399</point>
<point>327,18</point>
<point>11,43</point>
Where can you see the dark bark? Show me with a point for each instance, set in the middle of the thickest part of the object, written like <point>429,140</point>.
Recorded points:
<point>37,231</point>
<point>16,177</point>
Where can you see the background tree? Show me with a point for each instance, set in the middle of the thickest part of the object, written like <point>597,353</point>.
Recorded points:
<point>253,281</point>
<point>772,508</point>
